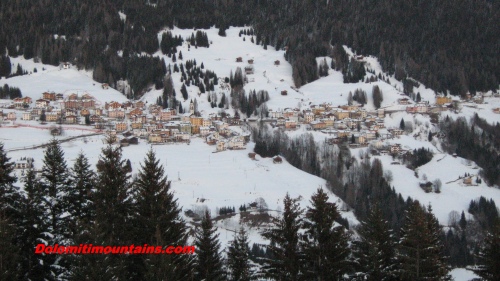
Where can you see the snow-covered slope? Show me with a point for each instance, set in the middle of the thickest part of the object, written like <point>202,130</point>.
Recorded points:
<point>54,79</point>
<point>231,178</point>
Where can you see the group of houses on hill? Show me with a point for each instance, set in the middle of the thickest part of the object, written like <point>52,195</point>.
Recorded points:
<point>151,122</point>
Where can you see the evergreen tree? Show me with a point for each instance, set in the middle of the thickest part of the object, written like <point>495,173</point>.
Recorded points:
<point>325,246</point>
<point>55,185</point>
<point>377,96</point>
<point>420,248</point>
<point>238,258</point>
<point>9,256</point>
<point>43,117</point>
<point>374,253</point>
<point>463,221</point>
<point>158,222</point>
<point>349,99</point>
<point>287,258</point>
<point>5,66</point>
<point>32,231</point>
<point>184,92</point>
<point>208,263</point>
<point>402,124</point>
<point>9,195</point>
<point>489,256</point>
<point>113,206</point>
<point>80,196</point>
<point>222,31</point>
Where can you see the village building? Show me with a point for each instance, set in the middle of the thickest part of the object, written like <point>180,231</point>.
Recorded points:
<point>380,113</point>
<point>395,148</point>
<point>404,101</point>
<point>237,142</point>
<point>166,114</point>
<point>88,103</point>
<point>112,105</point>
<point>51,96</point>
<point>27,116</point>
<point>467,180</point>
<point>280,122</point>
<point>116,113</point>
<point>94,119</point>
<point>277,160</point>
<point>441,100</point>
<point>328,122</point>
<point>308,117</point>
<point>318,125</point>
<point>290,124</point>
<point>64,65</point>
<point>42,103</point>
<point>275,114</point>
<point>154,138</point>
<point>204,131</point>
<point>24,163</point>
<point>84,112</point>
<point>22,102</point>
<point>139,104</point>
<point>121,126</point>
<point>136,125</point>
<point>341,114</point>
<point>11,116</point>
<point>340,125</point>
<point>249,69</point>
<point>52,116</point>
<point>70,119</point>
<point>185,127</point>
<point>135,111</point>
<point>220,146</point>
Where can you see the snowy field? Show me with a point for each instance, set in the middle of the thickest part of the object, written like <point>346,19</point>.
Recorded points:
<point>228,178</point>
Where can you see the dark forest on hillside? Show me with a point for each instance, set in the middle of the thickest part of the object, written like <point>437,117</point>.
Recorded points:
<point>447,45</point>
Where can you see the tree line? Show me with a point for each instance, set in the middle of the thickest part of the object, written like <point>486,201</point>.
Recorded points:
<point>7,92</point>
<point>477,140</point>
<point>89,35</point>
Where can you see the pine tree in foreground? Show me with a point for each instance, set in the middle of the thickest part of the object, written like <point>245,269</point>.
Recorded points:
<point>325,246</point>
<point>287,261</point>
<point>113,206</point>
<point>9,254</point>
<point>489,256</point>
<point>9,218</point>
<point>80,196</point>
<point>420,247</point>
<point>32,230</point>
<point>55,185</point>
<point>9,195</point>
<point>238,258</point>
<point>208,262</point>
<point>158,222</point>
<point>375,255</point>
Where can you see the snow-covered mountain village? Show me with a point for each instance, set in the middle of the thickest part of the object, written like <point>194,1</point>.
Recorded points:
<point>209,122</point>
